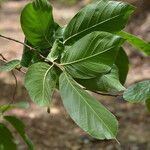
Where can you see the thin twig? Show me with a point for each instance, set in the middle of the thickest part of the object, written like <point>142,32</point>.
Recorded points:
<point>107,94</point>
<point>3,57</point>
<point>16,85</point>
<point>32,49</point>
<point>22,43</point>
<point>14,40</point>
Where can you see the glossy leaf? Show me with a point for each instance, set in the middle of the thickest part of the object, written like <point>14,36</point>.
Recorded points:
<point>105,82</point>
<point>55,51</point>
<point>122,63</point>
<point>36,58</point>
<point>40,81</point>
<point>102,15</point>
<point>9,66</point>
<point>148,104</point>
<point>37,23</point>
<point>59,31</point>
<point>86,111</point>
<point>138,43</point>
<point>20,127</point>
<point>27,55</point>
<point>93,54</point>
<point>138,92</point>
<point>6,138</point>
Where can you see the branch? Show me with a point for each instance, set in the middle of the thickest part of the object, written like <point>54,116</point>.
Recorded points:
<point>22,43</point>
<point>3,57</point>
<point>31,48</point>
<point>14,40</point>
<point>107,94</point>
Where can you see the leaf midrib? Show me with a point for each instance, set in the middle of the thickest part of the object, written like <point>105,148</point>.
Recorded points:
<point>91,28</point>
<point>43,83</point>
<point>90,106</point>
<point>83,59</point>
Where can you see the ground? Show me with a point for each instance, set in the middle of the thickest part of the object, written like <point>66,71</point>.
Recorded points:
<point>56,131</point>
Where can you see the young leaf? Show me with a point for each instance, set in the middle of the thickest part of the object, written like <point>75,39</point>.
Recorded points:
<point>136,42</point>
<point>37,23</point>
<point>105,82</point>
<point>138,92</point>
<point>27,55</point>
<point>40,81</point>
<point>55,51</point>
<point>6,138</point>
<point>20,127</point>
<point>86,111</point>
<point>102,15</point>
<point>148,104</point>
<point>93,54</point>
<point>9,66</point>
<point>122,63</point>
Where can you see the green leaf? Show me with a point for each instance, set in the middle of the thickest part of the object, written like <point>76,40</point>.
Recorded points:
<point>93,54</point>
<point>23,105</point>
<point>59,31</point>
<point>109,16</point>
<point>56,51</point>
<point>138,43</point>
<point>20,127</point>
<point>122,63</point>
<point>40,81</point>
<point>138,92</point>
<point>27,55</point>
<point>9,66</point>
<point>105,82</point>
<point>37,23</point>
<point>6,138</point>
<point>148,104</point>
<point>36,58</point>
<point>86,111</point>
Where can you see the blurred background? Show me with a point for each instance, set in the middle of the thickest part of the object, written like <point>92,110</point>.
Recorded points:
<point>56,131</point>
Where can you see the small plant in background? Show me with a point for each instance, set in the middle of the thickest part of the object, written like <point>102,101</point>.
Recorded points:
<point>7,141</point>
<point>86,55</point>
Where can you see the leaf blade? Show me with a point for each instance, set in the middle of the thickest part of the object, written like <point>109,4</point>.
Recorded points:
<point>83,108</point>
<point>104,82</point>
<point>93,54</point>
<point>138,43</point>
<point>20,127</point>
<point>40,81</point>
<point>37,23</point>
<point>98,16</point>
<point>9,66</point>
<point>138,92</point>
<point>148,104</point>
<point>6,138</point>
<point>27,55</point>
<point>122,63</point>
<point>6,107</point>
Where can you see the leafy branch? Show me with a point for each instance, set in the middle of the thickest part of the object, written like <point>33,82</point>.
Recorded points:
<point>30,48</point>
<point>87,53</point>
